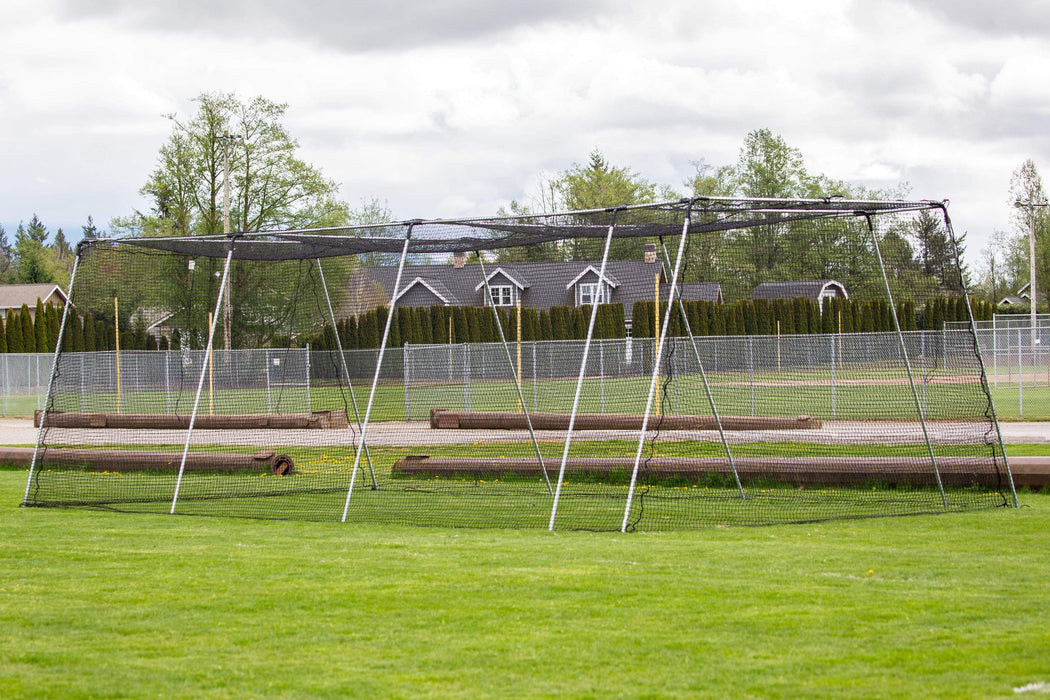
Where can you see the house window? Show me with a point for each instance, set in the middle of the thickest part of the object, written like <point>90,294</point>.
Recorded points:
<point>588,293</point>
<point>502,295</point>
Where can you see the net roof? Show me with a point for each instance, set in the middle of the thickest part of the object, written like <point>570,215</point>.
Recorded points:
<point>492,233</point>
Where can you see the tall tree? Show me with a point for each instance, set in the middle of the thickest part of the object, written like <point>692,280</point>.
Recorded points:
<point>598,185</point>
<point>31,260</point>
<point>271,188</point>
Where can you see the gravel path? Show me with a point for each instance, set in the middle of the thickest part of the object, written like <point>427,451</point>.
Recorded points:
<point>22,432</point>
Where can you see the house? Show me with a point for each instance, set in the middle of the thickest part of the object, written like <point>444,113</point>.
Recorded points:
<point>540,285</point>
<point>1023,297</point>
<point>13,296</point>
<point>817,290</point>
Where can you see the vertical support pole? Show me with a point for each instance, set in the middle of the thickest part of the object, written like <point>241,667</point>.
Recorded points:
<point>82,387</point>
<point>54,373</point>
<point>583,371</point>
<point>379,366</point>
<point>116,338</point>
<point>167,381</point>
<point>1020,375</point>
<point>907,363</point>
<point>510,364</point>
<point>833,406</point>
<point>266,370</point>
<point>200,381</point>
<point>751,370</point>
<point>346,372</point>
<point>521,399</point>
<point>309,403</point>
<point>995,350</point>
<point>535,381</point>
<point>656,334</point>
<point>210,361</point>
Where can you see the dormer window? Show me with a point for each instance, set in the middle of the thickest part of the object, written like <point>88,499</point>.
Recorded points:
<point>592,293</point>
<point>502,295</point>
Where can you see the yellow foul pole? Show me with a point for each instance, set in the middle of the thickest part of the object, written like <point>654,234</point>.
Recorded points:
<point>656,336</point>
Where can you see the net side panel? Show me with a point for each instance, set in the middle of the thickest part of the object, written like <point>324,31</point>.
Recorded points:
<point>816,425</point>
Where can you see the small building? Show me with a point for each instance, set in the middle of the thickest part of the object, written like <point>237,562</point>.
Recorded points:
<point>816,290</point>
<point>13,296</point>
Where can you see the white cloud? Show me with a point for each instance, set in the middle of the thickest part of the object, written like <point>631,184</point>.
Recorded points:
<point>457,107</point>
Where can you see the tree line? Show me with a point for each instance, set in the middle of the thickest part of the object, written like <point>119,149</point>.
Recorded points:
<point>24,331</point>
<point>474,324</point>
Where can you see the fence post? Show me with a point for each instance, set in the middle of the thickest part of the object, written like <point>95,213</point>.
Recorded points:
<point>751,370</point>
<point>1020,376</point>
<point>405,378</point>
<point>834,413</point>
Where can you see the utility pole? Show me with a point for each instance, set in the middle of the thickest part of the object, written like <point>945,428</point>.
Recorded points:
<point>226,138</point>
<point>1033,298</point>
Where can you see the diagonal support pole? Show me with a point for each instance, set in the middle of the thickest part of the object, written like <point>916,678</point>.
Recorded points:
<point>677,292</point>
<point>510,364</point>
<point>54,373</point>
<point>907,362</point>
<point>980,358</point>
<point>379,366</point>
<point>346,370</point>
<point>204,371</point>
<point>583,370</point>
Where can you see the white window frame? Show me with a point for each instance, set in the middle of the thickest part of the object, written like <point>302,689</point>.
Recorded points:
<point>502,294</point>
<point>589,289</point>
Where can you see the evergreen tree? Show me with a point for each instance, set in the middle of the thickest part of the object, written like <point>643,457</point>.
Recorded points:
<point>3,337</point>
<point>14,332</point>
<point>641,326</point>
<point>814,316</point>
<point>40,328</point>
<point>718,319</point>
<point>546,329</point>
<point>28,329</point>
<point>89,334</point>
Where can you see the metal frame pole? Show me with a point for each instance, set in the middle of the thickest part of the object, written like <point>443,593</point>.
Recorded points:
<point>583,369</point>
<point>54,373</point>
<point>510,363</point>
<point>204,370</point>
<point>346,370</point>
<point>674,295</point>
<point>379,366</point>
<point>980,358</point>
<point>907,362</point>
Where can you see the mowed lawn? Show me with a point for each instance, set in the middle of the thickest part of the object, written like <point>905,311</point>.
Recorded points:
<point>107,605</point>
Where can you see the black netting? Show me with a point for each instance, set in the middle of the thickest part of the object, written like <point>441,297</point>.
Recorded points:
<point>767,371</point>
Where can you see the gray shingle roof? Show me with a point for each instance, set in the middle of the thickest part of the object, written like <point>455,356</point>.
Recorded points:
<point>12,296</point>
<point>543,284</point>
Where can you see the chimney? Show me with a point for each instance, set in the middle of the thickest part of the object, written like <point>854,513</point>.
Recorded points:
<point>650,253</point>
<point>459,260</point>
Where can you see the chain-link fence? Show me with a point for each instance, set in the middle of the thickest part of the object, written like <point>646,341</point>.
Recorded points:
<point>861,376</point>
<point>819,375</point>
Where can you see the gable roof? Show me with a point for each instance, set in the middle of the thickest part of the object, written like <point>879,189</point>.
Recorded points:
<point>542,285</point>
<point>12,296</point>
<point>517,280</point>
<point>435,286</point>
<point>810,289</point>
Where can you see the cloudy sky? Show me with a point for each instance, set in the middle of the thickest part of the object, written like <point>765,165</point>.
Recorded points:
<point>455,107</point>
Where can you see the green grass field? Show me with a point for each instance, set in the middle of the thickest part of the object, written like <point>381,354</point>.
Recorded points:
<point>107,605</point>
